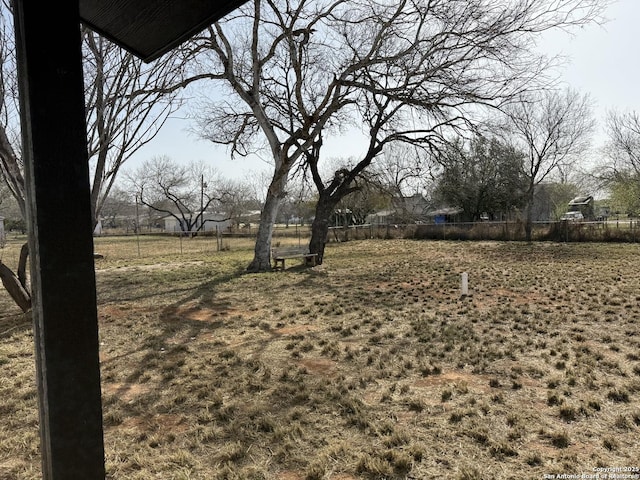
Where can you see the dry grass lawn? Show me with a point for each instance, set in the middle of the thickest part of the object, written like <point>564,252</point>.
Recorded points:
<point>370,366</point>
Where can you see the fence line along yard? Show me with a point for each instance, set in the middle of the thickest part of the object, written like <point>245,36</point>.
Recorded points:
<point>131,246</point>
<point>562,231</point>
<point>124,246</point>
<point>171,244</point>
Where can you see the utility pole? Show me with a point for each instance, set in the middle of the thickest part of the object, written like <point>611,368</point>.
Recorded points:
<point>201,198</point>
<point>203,185</point>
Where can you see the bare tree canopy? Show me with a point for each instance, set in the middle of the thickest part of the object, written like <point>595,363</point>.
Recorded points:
<point>402,71</point>
<point>619,170</point>
<point>623,148</point>
<point>11,165</point>
<point>553,128</point>
<point>402,169</point>
<point>127,102</point>
<point>184,192</point>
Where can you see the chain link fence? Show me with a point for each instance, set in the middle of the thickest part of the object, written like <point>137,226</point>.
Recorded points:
<point>563,231</point>
<point>175,245</point>
<point>208,243</point>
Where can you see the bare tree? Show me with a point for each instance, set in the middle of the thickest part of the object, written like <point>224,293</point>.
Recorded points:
<point>118,209</point>
<point>619,170</point>
<point>404,70</point>
<point>184,192</point>
<point>273,57</point>
<point>402,169</point>
<point>385,110</point>
<point>624,193</point>
<point>127,103</point>
<point>10,142</point>
<point>623,146</point>
<point>553,128</point>
<point>437,66</point>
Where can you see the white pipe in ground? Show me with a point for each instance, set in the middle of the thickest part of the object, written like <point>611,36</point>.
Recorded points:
<point>464,287</point>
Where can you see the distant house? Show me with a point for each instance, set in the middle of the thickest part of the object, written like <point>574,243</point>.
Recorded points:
<point>411,209</point>
<point>213,221</point>
<point>382,217</point>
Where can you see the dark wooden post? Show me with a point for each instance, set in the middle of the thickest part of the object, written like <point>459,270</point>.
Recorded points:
<point>60,238</point>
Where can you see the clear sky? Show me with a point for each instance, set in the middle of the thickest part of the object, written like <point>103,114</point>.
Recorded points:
<point>601,60</point>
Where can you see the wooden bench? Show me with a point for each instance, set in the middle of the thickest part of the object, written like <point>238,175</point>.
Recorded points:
<point>279,255</point>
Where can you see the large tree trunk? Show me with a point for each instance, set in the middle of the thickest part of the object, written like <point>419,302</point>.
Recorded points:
<point>528,220</point>
<point>320,227</point>
<point>319,233</point>
<point>16,285</point>
<point>22,266</point>
<point>13,285</point>
<point>262,253</point>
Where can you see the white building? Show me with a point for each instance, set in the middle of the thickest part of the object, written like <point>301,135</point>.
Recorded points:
<point>212,222</point>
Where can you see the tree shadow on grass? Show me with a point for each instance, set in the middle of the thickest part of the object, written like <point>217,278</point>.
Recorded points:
<point>201,374</point>
<point>177,324</point>
<point>142,284</point>
<point>199,313</point>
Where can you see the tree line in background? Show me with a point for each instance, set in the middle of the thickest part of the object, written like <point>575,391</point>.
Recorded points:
<point>451,96</point>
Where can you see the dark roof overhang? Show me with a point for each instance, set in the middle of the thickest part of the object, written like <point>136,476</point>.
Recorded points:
<point>151,28</point>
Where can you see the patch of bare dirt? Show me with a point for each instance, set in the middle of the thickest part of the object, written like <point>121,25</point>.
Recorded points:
<point>113,311</point>
<point>206,314</point>
<point>295,329</point>
<point>502,295</point>
<point>321,366</point>
<point>127,392</point>
<point>210,313</point>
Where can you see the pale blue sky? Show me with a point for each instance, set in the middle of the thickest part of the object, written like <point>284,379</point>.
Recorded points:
<point>601,60</point>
